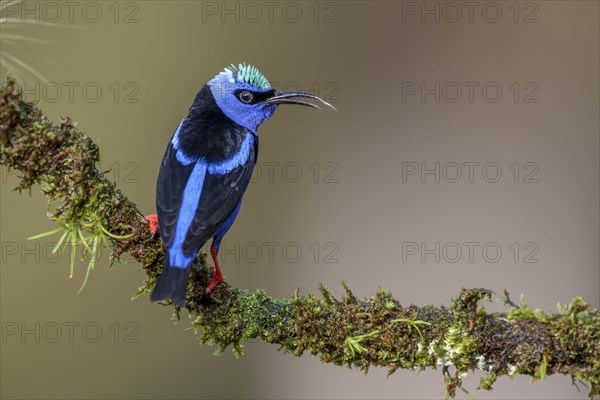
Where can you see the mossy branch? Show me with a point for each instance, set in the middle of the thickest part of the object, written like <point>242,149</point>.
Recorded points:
<point>348,331</point>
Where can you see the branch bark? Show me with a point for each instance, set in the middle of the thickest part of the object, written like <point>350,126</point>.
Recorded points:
<point>348,331</point>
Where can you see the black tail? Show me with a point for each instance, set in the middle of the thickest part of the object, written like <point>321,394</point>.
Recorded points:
<point>171,284</point>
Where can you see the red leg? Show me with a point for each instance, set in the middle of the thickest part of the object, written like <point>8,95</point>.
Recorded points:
<point>153,222</point>
<point>217,277</point>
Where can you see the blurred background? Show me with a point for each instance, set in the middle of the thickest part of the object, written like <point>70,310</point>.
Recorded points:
<point>464,153</point>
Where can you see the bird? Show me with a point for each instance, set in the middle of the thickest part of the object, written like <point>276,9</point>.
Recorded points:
<point>206,168</point>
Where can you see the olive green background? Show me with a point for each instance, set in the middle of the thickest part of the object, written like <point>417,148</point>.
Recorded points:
<point>351,201</point>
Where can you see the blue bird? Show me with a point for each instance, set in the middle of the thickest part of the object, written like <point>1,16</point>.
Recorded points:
<point>207,167</point>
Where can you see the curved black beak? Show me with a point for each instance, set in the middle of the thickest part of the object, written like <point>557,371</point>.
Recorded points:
<point>283,97</point>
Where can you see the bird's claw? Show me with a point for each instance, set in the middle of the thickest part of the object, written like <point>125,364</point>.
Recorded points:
<point>217,278</point>
<point>152,225</point>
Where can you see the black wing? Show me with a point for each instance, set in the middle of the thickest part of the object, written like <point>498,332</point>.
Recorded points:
<point>220,195</point>
<point>172,178</point>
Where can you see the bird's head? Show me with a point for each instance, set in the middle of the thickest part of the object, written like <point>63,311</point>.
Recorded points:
<point>246,96</point>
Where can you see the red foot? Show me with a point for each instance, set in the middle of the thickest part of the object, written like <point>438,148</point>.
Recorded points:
<point>217,277</point>
<point>153,222</point>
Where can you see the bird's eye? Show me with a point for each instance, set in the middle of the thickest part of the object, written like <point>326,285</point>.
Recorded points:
<point>246,96</point>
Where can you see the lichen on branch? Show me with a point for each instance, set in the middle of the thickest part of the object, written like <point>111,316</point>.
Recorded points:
<point>377,331</point>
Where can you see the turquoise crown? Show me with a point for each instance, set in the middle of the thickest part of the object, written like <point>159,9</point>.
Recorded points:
<point>248,74</point>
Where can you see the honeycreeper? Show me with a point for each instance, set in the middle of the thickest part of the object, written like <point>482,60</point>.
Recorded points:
<point>206,169</point>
